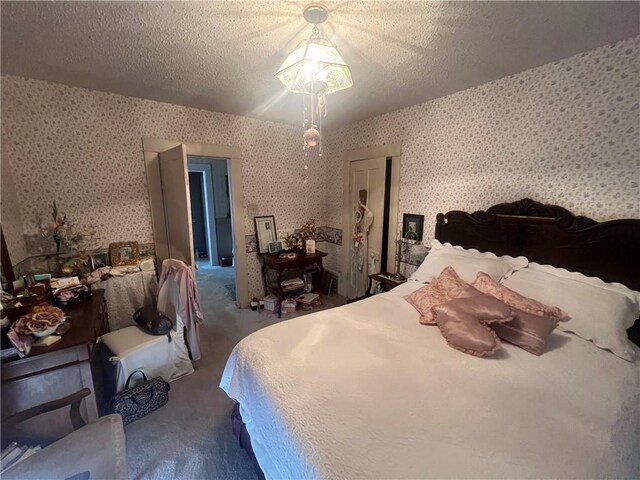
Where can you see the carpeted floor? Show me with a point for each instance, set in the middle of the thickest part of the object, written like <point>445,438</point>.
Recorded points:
<point>190,437</point>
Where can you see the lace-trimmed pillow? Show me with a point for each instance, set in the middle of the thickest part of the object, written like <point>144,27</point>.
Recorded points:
<point>467,262</point>
<point>489,286</point>
<point>446,286</point>
<point>598,311</point>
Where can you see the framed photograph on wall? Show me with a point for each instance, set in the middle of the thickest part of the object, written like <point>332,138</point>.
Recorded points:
<point>412,226</point>
<point>124,253</point>
<point>265,232</point>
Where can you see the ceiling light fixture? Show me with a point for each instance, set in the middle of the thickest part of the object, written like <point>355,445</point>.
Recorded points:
<point>316,69</point>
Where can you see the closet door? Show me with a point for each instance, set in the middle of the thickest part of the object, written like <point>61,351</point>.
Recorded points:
<point>174,178</point>
<point>366,185</point>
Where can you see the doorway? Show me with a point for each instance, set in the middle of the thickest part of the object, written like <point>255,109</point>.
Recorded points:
<point>170,195</point>
<point>212,226</point>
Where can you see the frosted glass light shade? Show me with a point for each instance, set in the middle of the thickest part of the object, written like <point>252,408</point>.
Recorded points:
<point>315,66</point>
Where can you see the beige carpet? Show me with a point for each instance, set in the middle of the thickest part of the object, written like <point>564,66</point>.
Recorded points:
<point>190,437</point>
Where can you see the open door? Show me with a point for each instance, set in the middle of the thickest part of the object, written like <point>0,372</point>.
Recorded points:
<point>366,201</point>
<point>174,178</point>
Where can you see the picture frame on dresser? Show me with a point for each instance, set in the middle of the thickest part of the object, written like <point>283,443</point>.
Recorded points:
<point>275,247</point>
<point>124,253</point>
<point>99,260</point>
<point>265,227</point>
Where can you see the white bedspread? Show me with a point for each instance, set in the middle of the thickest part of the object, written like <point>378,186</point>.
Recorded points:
<point>365,391</point>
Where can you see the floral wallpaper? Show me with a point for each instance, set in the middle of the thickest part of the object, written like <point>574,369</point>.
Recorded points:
<point>83,148</point>
<point>563,133</point>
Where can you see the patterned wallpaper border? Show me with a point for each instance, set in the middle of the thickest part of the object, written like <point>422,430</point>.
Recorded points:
<point>325,234</point>
<point>329,234</point>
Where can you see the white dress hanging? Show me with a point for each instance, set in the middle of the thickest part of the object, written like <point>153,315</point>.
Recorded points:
<point>363,220</point>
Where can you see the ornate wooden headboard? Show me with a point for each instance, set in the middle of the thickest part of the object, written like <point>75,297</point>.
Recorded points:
<point>552,235</point>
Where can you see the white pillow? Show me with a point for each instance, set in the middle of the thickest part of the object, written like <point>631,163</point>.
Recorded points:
<point>598,311</point>
<point>466,263</point>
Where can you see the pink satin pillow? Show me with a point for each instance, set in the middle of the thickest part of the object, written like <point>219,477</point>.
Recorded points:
<point>444,287</point>
<point>488,286</point>
<point>463,323</point>
<point>527,331</point>
<point>533,321</point>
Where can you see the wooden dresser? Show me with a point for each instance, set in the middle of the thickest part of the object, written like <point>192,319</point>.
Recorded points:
<point>53,372</point>
<point>276,269</point>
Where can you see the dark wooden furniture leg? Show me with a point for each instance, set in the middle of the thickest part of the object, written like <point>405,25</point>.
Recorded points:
<point>280,292</point>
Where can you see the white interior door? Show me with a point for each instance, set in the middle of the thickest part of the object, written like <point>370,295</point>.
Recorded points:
<point>368,175</point>
<point>174,178</point>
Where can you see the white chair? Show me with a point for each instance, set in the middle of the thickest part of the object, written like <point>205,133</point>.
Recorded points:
<point>155,355</point>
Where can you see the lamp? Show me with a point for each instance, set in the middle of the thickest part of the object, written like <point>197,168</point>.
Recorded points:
<point>316,69</point>
<point>397,276</point>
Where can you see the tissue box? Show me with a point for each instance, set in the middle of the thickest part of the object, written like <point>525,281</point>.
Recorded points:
<point>271,303</point>
<point>289,305</point>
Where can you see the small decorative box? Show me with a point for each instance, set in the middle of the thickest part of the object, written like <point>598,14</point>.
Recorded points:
<point>271,303</point>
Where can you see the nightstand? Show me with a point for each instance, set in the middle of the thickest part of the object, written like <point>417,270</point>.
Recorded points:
<point>386,282</point>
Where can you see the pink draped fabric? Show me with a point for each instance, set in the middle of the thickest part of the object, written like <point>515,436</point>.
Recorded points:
<point>179,292</point>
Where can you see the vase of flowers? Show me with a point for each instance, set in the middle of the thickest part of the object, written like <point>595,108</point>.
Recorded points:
<point>73,244</point>
<point>295,242</point>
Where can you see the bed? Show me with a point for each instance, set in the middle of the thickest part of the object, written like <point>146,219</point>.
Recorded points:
<point>365,391</point>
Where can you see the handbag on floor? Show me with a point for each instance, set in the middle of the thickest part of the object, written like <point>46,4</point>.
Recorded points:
<point>136,402</point>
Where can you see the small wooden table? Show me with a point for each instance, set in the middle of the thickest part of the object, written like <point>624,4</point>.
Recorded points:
<point>53,372</point>
<point>285,268</point>
<point>384,279</point>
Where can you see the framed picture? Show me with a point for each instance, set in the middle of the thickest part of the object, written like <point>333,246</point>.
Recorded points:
<point>30,280</point>
<point>99,260</point>
<point>310,246</point>
<point>265,232</point>
<point>124,253</point>
<point>275,247</point>
<point>412,226</point>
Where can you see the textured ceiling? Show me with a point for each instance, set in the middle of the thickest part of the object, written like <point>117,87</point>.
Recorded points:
<point>222,56</point>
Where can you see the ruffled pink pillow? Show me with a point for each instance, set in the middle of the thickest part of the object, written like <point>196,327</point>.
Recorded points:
<point>463,323</point>
<point>488,286</point>
<point>446,286</point>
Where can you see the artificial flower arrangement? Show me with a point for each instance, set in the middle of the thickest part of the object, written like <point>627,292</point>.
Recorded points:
<point>296,241</point>
<point>69,241</point>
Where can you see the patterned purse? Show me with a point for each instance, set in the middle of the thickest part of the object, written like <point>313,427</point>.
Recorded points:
<point>136,402</point>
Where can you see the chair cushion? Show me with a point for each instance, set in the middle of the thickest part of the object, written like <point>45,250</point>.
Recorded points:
<point>128,340</point>
<point>98,448</point>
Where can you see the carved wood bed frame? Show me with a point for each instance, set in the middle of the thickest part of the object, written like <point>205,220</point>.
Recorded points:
<point>549,234</point>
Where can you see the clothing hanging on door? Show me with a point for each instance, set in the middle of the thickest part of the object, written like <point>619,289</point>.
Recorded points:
<point>362,222</point>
